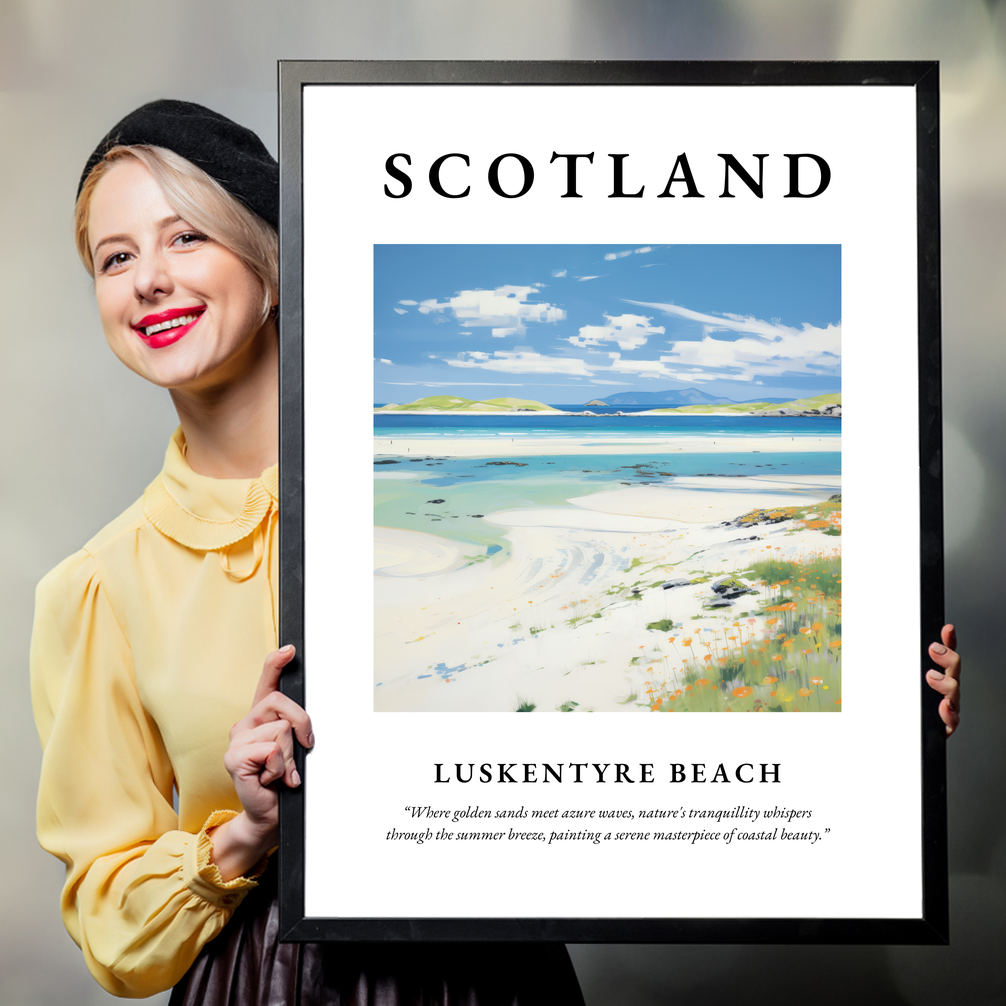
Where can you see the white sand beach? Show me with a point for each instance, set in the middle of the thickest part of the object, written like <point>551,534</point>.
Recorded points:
<point>413,553</point>
<point>532,446</point>
<point>563,617</point>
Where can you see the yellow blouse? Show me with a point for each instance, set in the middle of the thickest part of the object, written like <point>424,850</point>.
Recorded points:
<point>147,647</point>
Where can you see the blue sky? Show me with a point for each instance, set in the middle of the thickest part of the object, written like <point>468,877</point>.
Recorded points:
<point>570,323</point>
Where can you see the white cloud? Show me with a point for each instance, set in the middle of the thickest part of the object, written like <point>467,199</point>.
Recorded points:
<point>611,256</point>
<point>583,279</point>
<point>523,361</point>
<point>408,303</point>
<point>388,362</point>
<point>505,309</point>
<point>764,349</point>
<point>540,285</point>
<point>400,310</point>
<point>757,350</point>
<point>630,331</point>
<point>645,368</point>
<point>559,273</point>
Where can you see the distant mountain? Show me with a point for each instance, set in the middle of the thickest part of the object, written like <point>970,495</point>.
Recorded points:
<point>688,396</point>
<point>819,405</point>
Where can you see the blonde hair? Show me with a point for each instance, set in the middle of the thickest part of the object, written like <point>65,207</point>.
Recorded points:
<point>199,200</point>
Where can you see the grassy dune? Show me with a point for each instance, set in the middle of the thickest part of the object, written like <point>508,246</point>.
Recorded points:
<point>452,403</point>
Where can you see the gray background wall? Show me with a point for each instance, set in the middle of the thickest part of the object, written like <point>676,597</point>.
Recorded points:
<point>82,436</point>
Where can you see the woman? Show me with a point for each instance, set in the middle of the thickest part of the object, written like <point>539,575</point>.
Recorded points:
<point>148,643</point>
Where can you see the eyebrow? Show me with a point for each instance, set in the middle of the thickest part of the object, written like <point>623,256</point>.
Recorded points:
<point>111,238</point>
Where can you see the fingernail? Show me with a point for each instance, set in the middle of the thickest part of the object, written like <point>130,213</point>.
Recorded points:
<point>287,649</point>
<point>310,740</point>
<point>938,648</point>
<point>295,777</point>
<point>936,676</point>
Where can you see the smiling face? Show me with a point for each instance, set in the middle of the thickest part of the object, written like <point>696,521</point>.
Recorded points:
<point>177,307</point>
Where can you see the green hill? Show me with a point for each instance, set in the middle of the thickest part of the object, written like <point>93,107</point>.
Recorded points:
<point>452,403</point>
<point>818,402</point>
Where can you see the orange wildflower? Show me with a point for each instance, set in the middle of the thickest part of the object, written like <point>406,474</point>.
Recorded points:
<point>741,693</point>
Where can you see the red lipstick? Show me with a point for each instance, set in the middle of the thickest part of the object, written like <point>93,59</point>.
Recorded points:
<point>166,327</point>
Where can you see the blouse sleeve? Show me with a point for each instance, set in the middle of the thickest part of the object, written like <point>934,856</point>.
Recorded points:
<point>141,897</point>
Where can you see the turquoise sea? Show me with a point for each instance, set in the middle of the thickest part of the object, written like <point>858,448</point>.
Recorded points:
<point>450,496</point>
<point>603,426</point>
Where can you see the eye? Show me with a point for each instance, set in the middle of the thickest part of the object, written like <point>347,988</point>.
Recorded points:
<point>189,239</point>
<point>115,261</point>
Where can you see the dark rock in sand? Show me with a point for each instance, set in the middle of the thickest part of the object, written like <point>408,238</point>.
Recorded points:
<point>729,587</point>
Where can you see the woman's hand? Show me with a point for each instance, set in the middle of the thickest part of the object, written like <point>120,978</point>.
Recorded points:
<point>260,753</point>
<point>948,681</point>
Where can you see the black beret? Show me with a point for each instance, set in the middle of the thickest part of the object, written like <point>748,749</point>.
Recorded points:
<point>230,154</point>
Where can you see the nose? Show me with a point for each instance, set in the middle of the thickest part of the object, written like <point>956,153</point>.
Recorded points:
<point>152,277</point>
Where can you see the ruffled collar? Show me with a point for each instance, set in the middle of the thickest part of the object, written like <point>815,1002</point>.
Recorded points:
<point>203,513</point>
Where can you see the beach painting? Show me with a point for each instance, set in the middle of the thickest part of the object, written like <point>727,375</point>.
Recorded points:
<point>607,478</point>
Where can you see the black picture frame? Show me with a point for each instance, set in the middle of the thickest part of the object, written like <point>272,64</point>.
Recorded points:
<point>932,927</point>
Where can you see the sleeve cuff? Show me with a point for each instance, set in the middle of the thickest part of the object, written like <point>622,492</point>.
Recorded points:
<point>202,876</point>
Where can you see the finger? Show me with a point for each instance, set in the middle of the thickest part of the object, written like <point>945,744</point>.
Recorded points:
<point>274,766</point>
<point>271,670</point>
<point>278,732</point>
<point>275,706</point>
<point>261,760</point>
<point>947,686</point>
<point>949,636</point>
<point>950,716</point>
<point>948,659</point>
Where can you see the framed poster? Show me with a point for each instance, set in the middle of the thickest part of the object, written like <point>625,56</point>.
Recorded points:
<point>579,363</point>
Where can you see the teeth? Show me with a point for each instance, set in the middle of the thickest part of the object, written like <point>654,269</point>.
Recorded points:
<point>173,323</point>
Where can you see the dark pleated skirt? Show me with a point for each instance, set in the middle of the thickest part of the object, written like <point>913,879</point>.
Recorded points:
<point>246,965</point>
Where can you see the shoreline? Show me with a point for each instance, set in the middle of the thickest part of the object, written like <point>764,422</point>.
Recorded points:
<point>530,446</point>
